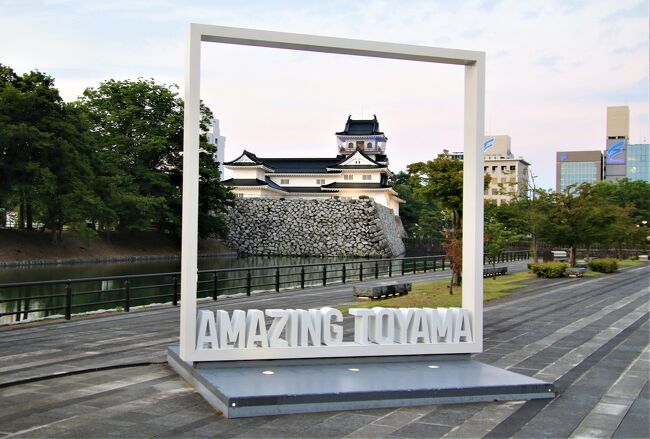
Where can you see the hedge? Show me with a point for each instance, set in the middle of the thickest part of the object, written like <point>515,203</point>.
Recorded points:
<point>548,269</point>
<point>604,265</point>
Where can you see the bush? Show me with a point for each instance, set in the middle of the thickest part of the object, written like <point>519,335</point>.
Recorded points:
<point>549,269</point>
<point>604,265</point>
<point>364,197</point>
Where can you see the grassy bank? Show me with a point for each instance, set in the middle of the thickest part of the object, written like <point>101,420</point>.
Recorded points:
<point>28,245</point>
<point>436,293</point>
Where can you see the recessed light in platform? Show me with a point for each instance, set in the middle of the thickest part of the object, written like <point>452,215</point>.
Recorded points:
<point>433,366</point>
<point>354,369</point>
<point>267,372</point>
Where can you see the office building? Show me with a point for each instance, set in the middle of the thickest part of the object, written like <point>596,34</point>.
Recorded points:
<point>577,167</point>
<point>618,134</point>
<point>637,164</point>
<point>508,174</point>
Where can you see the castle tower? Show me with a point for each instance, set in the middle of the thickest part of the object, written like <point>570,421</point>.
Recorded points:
<point>362,135</point>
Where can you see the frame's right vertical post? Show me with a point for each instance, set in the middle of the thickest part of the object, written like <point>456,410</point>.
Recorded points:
<point>473,196</point>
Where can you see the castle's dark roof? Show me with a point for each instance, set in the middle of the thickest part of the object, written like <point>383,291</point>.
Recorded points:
<point>355,186</point>
<point>361,127</point>
<point>290,165</point>
<point>244,182</point>
<point>253,182</point>
<point>255,160</point>
<point>374,165</point>
<point>300,165</point>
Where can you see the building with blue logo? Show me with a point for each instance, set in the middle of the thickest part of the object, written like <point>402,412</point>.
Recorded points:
<point>577,167</point>
<point>508,174</point>
<point>618,134</point>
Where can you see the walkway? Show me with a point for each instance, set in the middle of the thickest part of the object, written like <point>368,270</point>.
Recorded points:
<point>589,336</point>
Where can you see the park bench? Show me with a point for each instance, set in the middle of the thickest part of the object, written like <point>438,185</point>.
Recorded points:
<point>555,255</point>
<point>385,289</point>
<point>498,271</point>
<point>575,271</point>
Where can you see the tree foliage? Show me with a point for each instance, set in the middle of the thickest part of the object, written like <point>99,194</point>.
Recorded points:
<point>111,161</point>
<point>45,154</point>
<point>440,181</point>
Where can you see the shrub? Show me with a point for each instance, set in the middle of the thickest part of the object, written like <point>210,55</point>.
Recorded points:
<point>364,197</point>
<point>549,269</point>
<point>604,265</point>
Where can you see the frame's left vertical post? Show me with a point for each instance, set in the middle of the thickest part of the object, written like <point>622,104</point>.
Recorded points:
<point>190,193</point>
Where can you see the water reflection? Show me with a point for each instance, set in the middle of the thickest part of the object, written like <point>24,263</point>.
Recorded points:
<point>48,300</point>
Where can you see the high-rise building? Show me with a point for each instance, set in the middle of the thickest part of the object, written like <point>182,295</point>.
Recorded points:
<point>577,167</point>
<point>638,162</point>
<point>618,134</point>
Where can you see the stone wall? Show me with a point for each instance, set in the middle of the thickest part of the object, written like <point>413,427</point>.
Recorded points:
<point>354,228</point>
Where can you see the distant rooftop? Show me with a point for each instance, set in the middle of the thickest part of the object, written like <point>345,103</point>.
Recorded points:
<point>361,127</point>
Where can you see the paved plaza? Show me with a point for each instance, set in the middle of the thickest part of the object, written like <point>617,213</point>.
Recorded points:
<point>589,336</point>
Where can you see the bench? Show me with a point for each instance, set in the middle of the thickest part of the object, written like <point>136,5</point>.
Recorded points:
<point>555,255</point>
<point>575,271</point>
<point>498,271</point>
<point>382,290</point>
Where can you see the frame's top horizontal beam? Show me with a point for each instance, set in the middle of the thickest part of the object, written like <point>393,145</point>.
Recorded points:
<point>312,43</point>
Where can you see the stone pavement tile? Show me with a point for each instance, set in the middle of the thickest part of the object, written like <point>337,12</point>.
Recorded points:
<point>180,418</point>
<point>374,431</point>
<point>375,412</point>
<point>452,414</point>
<point>66,411</point>
<point>600,425</point>
<point>340,425</point>
<point>403,416</point>
<point>301,421</point>
<point>135,417</point>
<point>119,397</point>
<point>19,423</point>
<point>420,430</point>
<point>635,423</point>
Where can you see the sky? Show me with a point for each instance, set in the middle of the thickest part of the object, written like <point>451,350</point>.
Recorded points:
<point>552,68</point>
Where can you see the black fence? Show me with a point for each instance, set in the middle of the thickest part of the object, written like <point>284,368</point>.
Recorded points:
<point>67,297</point>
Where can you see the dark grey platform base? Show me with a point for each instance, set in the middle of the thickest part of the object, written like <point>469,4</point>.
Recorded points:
<point>240,388</point>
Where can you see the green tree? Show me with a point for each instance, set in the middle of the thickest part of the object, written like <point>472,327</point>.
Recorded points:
<point>421,218</point>
<point>523,215</point>
<point>139,131</point>
<point>579,216</point>
<point>44,150</point>
<point>441,181</point>
<point>497,238</point>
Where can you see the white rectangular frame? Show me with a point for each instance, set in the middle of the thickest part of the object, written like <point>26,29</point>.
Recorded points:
<point>474,109</point>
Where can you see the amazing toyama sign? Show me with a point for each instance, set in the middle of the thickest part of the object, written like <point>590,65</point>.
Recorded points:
<point>300,333</point>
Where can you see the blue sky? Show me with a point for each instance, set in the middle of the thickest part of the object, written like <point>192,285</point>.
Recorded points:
<point>552,68</point>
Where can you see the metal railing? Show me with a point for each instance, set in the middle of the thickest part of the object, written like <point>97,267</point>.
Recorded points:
<point>121,293</point>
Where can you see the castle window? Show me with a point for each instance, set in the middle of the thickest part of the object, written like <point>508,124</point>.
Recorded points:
<point>367,177</point>
<point>350,145</point>
<point>512,168</point>
<point>284,181</point>
<point>359,144</point>
<point>369,145</point>
<point>348,177</point>
<point>320,181</point>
